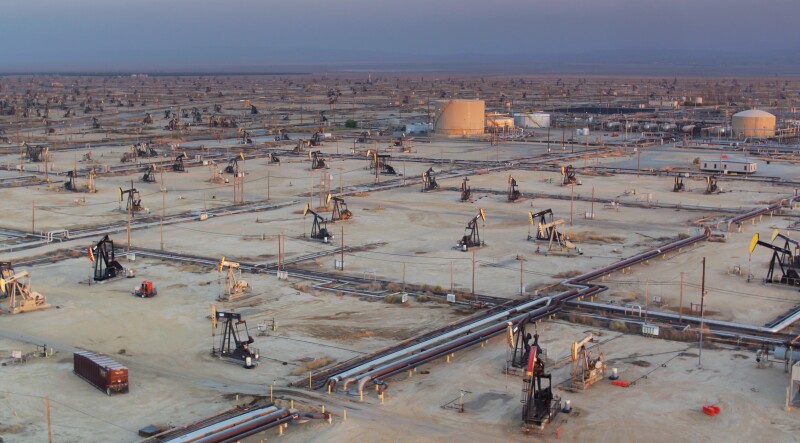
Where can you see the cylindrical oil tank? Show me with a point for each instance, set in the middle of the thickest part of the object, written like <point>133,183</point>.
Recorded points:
<point>532,120</point>
<point>754,123</point>
<point>460,117</point>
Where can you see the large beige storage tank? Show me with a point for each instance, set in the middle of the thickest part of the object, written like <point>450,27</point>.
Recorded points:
<point>460,117</point>
<point>754,123</point>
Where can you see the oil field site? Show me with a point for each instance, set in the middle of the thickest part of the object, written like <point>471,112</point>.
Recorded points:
<point>399,257</point>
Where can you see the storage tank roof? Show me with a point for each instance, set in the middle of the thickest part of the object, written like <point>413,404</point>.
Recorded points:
<point>753,113</point>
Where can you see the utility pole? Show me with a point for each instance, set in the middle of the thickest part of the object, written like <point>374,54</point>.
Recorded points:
<point>451,276</point>
<point>342,257</point>
<point>520,276</point>
<point>473,272</point>
<point>163,210</point>
<point>49,429</point>
<point>33,217</point>
<point>702,316</point>
<point>680,307</point>
<point>571,202</point>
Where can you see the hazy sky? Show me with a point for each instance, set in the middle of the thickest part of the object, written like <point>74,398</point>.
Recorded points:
<point>174,34</point>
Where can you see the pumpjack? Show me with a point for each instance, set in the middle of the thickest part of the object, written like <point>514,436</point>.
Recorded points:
<point>16,286</point>
<point>466,191</point>
<point>520,341</point>
<point>340,211</point>
<point>381,164</point>
<point>178,166</point>
<point>149,174</point>
<point>36,154</point>
<point>273,158</point>
<point>319,229</point>
<point>472,236</point>
<point>711,185</point>
<point>316,139</point>
<point>568,173</point>
<point>785,258</point>
<point>233,164</point>
<point>235,341</point>
<point>678,186</point>
<point>246,140</point>
<point>429,181</point>
<point>539,405</point>
<point>70,184</point>
<point>547,230</point>
<point>145,150</point>
<point>513,189</point>
<point>134,203</point>
<point>317,161</point>
<point>234,285</point>
<point>105,264</point>
<point>585,370</point>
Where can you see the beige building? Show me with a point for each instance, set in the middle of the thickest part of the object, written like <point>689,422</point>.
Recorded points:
<point>460,117</point>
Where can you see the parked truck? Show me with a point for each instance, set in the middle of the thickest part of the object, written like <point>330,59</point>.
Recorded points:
<point>103,372</point>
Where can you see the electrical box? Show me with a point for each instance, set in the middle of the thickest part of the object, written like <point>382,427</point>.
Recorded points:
<point>283,275</point>
<point>404,298</point>
<point>650,330</point>
<point>451,298</point>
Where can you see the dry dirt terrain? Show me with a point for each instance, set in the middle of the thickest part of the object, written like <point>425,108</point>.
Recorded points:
<point>399,239</point>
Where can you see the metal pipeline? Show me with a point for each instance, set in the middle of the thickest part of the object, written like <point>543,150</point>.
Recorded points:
<point>553,304</point>
<point>774,329</point>
<point>760,211</point>
<point>203,434</point>
<point>349,375</point>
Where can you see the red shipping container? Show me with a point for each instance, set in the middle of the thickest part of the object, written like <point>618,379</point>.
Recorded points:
<point>103,372</point>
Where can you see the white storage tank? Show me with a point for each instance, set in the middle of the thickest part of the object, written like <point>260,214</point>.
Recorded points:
<point>532,120</point>
<point>499,121</point>
<point>460,117</point>
<point>754,123</point>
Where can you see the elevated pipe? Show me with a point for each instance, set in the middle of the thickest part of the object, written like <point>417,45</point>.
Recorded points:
<point>554,303</point>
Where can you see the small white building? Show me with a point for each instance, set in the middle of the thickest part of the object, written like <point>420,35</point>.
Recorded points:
<point>727,166</point>
<point>418,128</point>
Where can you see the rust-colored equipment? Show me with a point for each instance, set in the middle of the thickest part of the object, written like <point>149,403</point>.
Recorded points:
<point>146,290</point>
